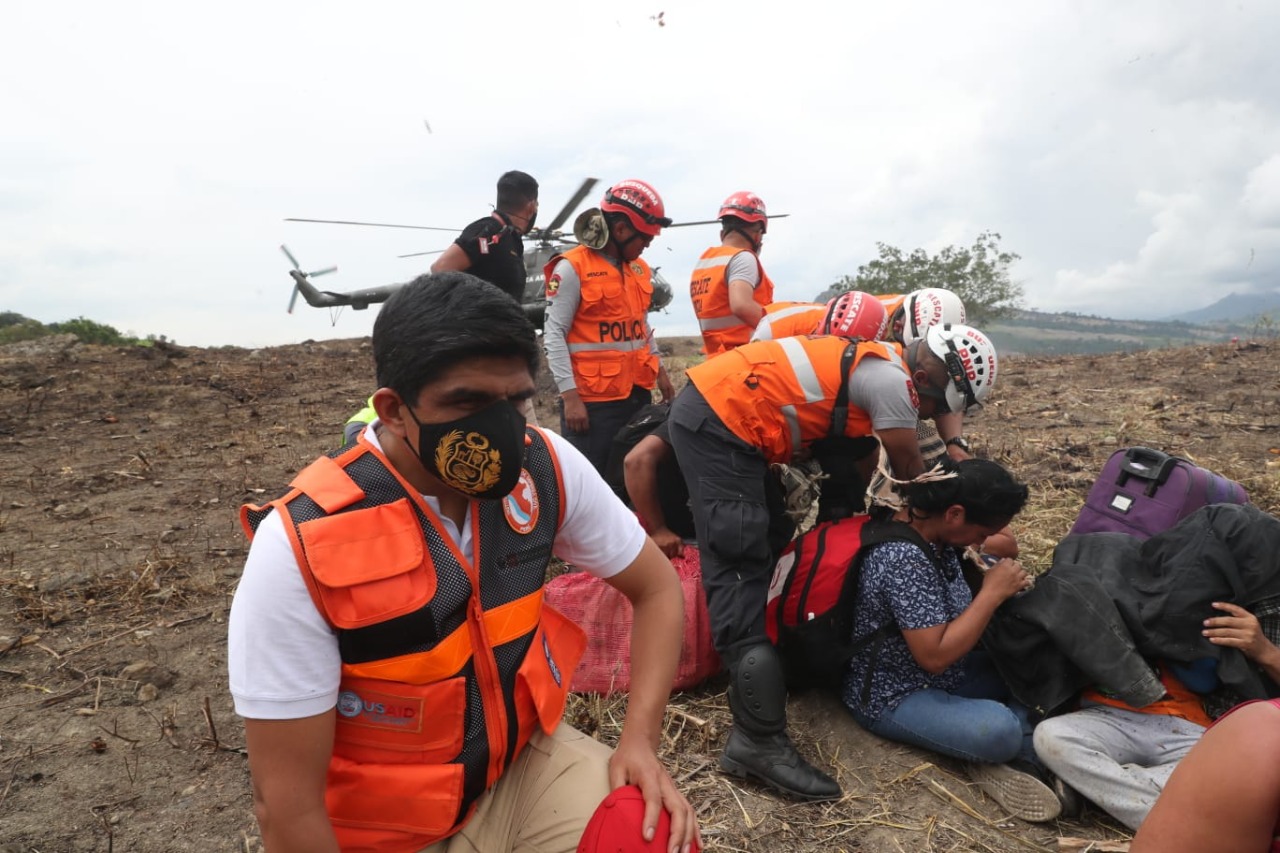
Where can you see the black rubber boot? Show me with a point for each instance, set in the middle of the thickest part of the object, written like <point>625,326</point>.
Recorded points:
<point>758,746</point>
<point>773,760</point>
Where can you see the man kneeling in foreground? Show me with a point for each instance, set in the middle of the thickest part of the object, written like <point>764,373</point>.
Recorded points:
<point>401,680</point>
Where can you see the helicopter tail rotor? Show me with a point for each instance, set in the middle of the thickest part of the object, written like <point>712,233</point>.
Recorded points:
<point>299,276</point>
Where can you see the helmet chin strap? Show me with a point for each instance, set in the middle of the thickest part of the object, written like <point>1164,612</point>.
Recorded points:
<point>746,235</point>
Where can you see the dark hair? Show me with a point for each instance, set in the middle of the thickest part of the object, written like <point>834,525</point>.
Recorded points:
<point>440,319</point>
<point>515,190</point>
<point>987,491</point>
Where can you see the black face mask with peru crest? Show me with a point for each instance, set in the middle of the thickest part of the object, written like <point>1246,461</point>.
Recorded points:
<point>479,455</point>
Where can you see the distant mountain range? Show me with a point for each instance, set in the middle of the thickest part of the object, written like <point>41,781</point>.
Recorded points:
<point>1238,307</point>
<point>1041,333</point>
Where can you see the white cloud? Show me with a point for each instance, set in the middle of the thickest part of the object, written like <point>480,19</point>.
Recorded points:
<point>1127,152</point>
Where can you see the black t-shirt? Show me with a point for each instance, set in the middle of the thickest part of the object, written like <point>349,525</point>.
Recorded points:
<point>496,252</point>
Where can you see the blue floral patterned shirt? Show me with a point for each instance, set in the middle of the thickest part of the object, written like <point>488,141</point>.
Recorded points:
<point>901,584</point>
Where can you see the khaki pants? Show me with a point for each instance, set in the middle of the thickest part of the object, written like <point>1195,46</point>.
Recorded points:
<point>542,803</point>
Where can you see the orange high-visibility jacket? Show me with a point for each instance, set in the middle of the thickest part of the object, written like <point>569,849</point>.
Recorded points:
<point>448,665</point>
<point>788,319</point>
<point>709,289</point>
<point>1178,701</point>
<point>608,342</point>
<point>778,395</point>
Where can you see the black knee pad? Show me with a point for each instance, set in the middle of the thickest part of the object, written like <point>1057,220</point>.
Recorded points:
<point>758,690</point>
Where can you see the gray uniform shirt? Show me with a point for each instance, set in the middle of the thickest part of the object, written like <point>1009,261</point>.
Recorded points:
<point>880,389</point>
<point>743,267</point>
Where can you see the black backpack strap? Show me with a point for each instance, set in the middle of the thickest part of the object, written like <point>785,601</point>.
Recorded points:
<point>840,412</point>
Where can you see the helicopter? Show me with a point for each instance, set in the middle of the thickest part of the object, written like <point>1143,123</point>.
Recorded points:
<point>541,244</point>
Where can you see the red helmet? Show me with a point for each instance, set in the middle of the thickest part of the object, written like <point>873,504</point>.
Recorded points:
<point>640,203</point>
<point>855,314</point>
<point>617,826</point>
<point>746,206</point>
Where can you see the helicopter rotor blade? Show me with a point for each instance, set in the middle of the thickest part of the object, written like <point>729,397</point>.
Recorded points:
<point>299,277</point>
<point>420,254</point>
<point>717,221</point>
<point>370,224</point>
<point>572,204</point>
<point>290,256</point>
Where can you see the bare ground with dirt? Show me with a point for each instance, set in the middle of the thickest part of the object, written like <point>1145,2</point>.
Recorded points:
<point>122,469</point>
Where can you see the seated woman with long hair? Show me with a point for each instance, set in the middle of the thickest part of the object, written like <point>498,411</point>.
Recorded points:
<point>918,677</point>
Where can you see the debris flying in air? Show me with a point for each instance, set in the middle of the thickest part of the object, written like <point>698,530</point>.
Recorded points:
<point>658,18</point>
<point>427,125</point>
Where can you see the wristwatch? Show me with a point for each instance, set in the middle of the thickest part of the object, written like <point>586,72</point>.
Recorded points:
<point>959,442</point>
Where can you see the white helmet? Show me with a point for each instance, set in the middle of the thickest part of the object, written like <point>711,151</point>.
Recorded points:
<point>929,307</point>
<point>970,358</point>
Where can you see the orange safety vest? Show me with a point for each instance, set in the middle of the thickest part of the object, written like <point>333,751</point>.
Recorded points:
<point>609,342</point>
<point>1178,701</point>
<point>778,396</point>
<point>709,289</point>
<point>448,665</point>
<point>788,319</point>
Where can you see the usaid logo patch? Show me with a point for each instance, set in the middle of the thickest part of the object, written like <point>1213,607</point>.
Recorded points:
<point>380,710</point>
<point>349,704</point>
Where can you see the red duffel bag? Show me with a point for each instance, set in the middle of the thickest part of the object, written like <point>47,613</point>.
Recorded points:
<point>605,614</point>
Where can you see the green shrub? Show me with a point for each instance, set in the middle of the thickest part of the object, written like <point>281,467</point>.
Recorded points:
<point>23,330</point>
<point>90,332</point>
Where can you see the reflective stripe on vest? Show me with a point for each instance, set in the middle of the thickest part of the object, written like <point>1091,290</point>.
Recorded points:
<point>625,346</point>
<point>709,291</point>
<point>788,319</point>
<point>609,340</point>
<point>448,665</point>
<point>778,396</point>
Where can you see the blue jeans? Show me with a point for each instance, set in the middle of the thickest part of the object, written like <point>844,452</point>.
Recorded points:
<point>976,722</point>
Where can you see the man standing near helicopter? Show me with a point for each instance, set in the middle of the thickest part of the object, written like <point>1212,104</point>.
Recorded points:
<point>600,349</point>
<point>491,248</point>
<point>729,287</point>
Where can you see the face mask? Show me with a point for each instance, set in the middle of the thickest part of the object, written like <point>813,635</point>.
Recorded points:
<point>479,455</point>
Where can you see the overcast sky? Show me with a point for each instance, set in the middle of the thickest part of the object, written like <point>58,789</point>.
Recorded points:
<point>1129,152</point>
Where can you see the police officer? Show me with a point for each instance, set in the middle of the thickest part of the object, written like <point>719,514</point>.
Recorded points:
<point>599,346</point>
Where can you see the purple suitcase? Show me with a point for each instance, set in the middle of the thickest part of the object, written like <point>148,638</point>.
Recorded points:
<point>1143,492</point>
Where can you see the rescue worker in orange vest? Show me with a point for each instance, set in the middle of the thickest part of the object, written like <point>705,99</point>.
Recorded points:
<point>788,319</point>
<point>729,286</point>
<point>401,678</point>
<point>760,404</point>
<point>600,349</point>
<point>852,314</point>
<point>910,317</point>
